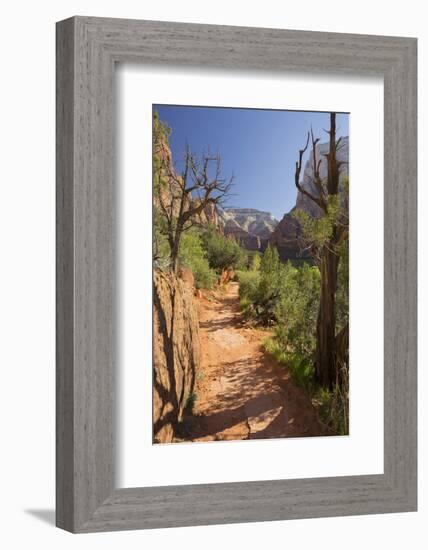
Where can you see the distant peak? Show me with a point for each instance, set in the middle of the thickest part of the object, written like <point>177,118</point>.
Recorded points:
<point>238,210</point>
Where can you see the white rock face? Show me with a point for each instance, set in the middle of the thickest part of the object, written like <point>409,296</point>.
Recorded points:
<point>305,203</point>
<point>255,222</point>
<point>287,234</point>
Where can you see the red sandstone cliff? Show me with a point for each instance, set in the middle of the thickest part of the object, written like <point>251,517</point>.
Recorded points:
<point>176,351</point>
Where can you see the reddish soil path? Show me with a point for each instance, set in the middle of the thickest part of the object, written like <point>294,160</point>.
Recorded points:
<point>242,393</point>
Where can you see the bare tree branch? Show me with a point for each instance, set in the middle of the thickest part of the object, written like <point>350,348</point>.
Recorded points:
<point>316,200</point>
<point>199,185</point>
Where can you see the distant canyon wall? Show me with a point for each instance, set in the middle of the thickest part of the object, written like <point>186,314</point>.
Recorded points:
<point>287,236</point>
<point>249,226</point>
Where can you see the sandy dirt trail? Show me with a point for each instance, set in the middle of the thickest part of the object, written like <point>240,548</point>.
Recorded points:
<point>242,393</point>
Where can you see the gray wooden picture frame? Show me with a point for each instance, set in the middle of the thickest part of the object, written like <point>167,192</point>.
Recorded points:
<point>87,50</point>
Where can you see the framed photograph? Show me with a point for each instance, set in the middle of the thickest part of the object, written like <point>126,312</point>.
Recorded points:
<point>236,274</point>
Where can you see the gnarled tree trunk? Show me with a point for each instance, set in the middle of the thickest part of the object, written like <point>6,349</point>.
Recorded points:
<point>326,323</point>
<point>327,254</point>
<point>325,366</point>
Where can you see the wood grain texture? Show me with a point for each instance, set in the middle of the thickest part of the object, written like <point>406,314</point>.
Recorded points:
<point>64,276</point>
<point>87,49</point>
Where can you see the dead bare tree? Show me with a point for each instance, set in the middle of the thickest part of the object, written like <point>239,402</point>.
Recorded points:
<point>183,197</point>
<point>326,253</point>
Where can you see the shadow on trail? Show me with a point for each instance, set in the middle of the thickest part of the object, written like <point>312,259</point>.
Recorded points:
<point>243,392</point>
<point>217,422</point>
<point>212,326</point>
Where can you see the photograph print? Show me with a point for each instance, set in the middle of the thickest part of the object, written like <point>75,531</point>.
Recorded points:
<point>250,274</point>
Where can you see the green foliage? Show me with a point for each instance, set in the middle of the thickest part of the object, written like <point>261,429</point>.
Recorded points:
<point>293,342</point>
<point>160,129</point>
<point>344,187</point>
<point>342,293</point>
<point>287,296</point>
<point>222,252</point>
<point>161,133</point>
<point>259,288</point>
<point>190,403</point>
<point>202,251</point>
<point>161,249</point>
<point>248,284</point>
<point>262,284</point>
<point>248,287</point>
<point>270,261</point>
<point>193,256</point>
<point>247,308</point>
<point>297,310</point>
<point>301,368</point>
<point>255,262</point>
<point>333,408</point>
<point>269,288</point>
<point>319,231</point>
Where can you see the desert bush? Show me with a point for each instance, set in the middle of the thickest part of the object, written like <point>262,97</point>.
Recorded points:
<point>296,311</point>
<point>193,256</point>
<point>287,297</point>
<point>261,285</point>
<point>271,286</point>
<point>342,293</point>
<point>301,368</point>
<point>222,252</point>
<point>248,285</point>
<point>333,407</point>
<point>254,260</point>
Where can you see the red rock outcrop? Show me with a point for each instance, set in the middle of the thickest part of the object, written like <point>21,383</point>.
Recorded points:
<point>226,276</point>
<point>172,181</point>
<point>209,216</point>
<point>245,239</point>
<point>287,238</point>
<point>176,352</point>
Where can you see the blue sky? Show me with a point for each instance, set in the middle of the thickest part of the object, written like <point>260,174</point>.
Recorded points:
<point>260,147</point>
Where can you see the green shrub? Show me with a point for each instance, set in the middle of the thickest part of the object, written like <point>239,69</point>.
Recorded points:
<point>247,309</point>
<point>161,249</point>
<point>333,408</point>
<point>297,310</point>
<point>248,284</point>
<point>287,297</point>
<point>268,291</point>
<point>222,252</point>
<point>301,368</point>
<point>204,276</point>
<point>254,261</point>
<point>193,256</point>
<point>342,293</point>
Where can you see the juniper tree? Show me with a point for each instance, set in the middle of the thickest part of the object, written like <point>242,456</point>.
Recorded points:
<point>325,237</point>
